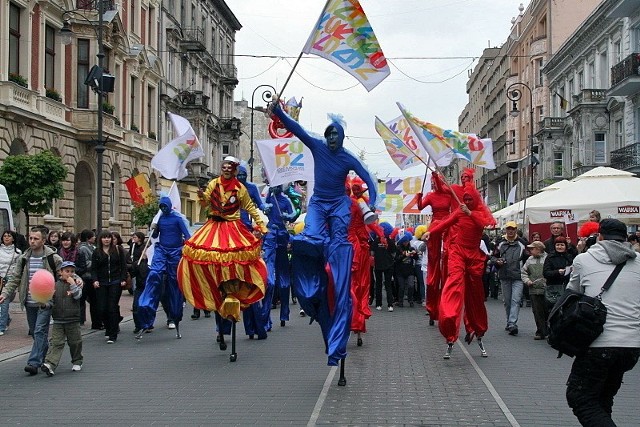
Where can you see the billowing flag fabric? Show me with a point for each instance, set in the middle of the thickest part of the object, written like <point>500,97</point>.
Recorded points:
<point>139,189</point>
<point>344,36</point>
<point>400,153</point>
<point>443,144</point>
<point>438,150</point>
<point>511,198</point>
<point>171,161</point>
<point>285,160</point>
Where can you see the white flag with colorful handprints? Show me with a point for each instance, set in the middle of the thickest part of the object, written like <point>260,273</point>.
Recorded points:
<point>171,161</point>
<point>344,36</point>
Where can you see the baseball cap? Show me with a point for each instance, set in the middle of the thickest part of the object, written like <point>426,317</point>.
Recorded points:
<point>67,264</point>
<point>536,244</point>
<point>613,229</point>
<point>511,224</point>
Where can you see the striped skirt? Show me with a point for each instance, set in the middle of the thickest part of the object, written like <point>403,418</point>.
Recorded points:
<point>222,269</point>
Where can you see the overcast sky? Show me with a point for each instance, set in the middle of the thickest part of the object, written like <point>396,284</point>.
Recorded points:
<point>430,44</point>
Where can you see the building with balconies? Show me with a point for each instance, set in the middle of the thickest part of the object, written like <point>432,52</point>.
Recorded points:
<point>593,113</point>
<point>536,34</point>
<point>169,56</point>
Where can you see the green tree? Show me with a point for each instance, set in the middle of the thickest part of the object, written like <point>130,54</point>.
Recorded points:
<point>143,214</point>
<point>33,182</point>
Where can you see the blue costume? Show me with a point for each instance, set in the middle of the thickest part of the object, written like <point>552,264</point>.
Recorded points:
<point>253,317</point>
<point>171,232</point>
<point>324,239</point>
<point>275,252</point>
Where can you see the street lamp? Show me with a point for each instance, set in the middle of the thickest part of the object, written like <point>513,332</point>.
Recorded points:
<point>267,96</point>
<point>515,94</point>
<point>101,83</point>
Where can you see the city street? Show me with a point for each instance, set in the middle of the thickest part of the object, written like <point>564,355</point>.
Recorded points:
<point>398,377</point>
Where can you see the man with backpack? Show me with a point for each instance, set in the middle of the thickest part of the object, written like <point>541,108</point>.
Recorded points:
<point>596,376</point>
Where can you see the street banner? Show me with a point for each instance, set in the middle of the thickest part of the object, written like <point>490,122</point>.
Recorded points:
<point>344,36</point>
<point>171,161</point>
<point>397,195</point>
<point>139,189</point>
<point>285,160</point>
<point>511,198</point>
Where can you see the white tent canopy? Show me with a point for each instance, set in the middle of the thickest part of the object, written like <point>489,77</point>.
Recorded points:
<point>515,212</point>
<point>615,193</point>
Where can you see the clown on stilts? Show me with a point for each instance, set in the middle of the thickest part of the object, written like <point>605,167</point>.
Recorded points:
<point>324,242</point>
<point>221,268</point>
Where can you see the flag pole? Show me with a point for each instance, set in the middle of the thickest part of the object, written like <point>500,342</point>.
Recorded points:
<point>286,82</point>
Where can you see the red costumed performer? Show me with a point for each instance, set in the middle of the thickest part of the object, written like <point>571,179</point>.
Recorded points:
<point>361,267</point>
<point>465,268</point>
<point>440,200</point>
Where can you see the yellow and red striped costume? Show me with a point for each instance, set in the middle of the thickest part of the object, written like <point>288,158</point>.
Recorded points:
<point>221,267</point>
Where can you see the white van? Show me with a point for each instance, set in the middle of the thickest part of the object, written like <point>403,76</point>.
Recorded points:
<point>6,214</point>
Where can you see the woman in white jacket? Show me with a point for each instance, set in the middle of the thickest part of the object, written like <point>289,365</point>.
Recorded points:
<point>9,254</point>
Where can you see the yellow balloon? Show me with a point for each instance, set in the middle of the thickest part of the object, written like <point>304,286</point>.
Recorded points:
<point>298,227</point>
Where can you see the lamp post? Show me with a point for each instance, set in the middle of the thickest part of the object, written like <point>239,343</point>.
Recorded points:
<point>267,95</point>
<point>94,80</point>
<point>515,94</point>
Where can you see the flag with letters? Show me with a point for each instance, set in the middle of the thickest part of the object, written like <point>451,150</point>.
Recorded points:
<point>344,36</point>
<point>171,161</point>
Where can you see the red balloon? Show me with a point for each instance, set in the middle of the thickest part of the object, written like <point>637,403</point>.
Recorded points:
<point>42,286</point>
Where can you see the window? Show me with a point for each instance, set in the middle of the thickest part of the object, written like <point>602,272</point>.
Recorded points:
<point>592,75</point>
<point>558,161</point>
<point>580,80</point>
<point>132,16</point>
<point>619,137</point>
<point>512,146</point>
<point>49,57</point>
<point>599,147</point>
<point>617,52</point>
<point>112,199</point>
<point>604,71</point>
<point>540,66</point>
<point>14,39</point>
<point>225,149</point>
<point>83,71</point>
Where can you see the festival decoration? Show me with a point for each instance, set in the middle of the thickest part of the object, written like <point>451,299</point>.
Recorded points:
<point>276,128</point>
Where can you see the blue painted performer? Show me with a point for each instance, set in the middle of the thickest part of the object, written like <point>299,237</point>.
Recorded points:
<point>171,232</point>
<point>253,317</point>
<point>324,239</point>
<point>275,247</point>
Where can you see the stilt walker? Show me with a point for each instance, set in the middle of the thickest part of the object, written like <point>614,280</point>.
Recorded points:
<point>324,238</point>
<point>221,268</point>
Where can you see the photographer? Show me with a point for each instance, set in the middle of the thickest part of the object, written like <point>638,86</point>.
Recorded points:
<point>587,236</point>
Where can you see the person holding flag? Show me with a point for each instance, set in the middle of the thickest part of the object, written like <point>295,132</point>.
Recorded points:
<point>324,238</point>
<point>171,232</point>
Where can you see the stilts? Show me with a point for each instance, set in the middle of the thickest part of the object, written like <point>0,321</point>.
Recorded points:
<point>483,352</point>
<point>447,354</point>
<point>140,333</point>
<point>359,340</point>
<point>178,336</point>
<point>342,381</point>
<point>233,356</point>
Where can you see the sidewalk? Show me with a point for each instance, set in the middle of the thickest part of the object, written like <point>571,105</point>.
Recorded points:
<point>16,340</point>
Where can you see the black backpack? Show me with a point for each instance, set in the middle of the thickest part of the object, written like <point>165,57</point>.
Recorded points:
<point>576,319</point>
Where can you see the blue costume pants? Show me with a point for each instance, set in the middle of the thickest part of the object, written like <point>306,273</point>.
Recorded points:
<point>165,261</point>
<point>278,270</point>
<point>324,241</point>
<point>253,320</point>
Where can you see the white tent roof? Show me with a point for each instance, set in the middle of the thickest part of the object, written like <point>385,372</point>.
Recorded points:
<point>514,212</point>
<point>615,193</point>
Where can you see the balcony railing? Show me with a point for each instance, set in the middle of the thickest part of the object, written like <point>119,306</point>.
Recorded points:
<point>626,157</point>
<point>591,95</point>
<point>552,123</point>
<point>193,40</point>
<point>630,66</point>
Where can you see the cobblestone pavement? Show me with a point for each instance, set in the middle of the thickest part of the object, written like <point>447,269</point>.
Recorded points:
<point>398,377</point>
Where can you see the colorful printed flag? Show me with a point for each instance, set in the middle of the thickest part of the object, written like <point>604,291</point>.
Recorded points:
<point>397,195</point>
<point>139,189</point>
<point>443,144</point>
<point>400,153</point>
<point>285,160</point>
<point>344,36</point>
<point>171,161</point>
